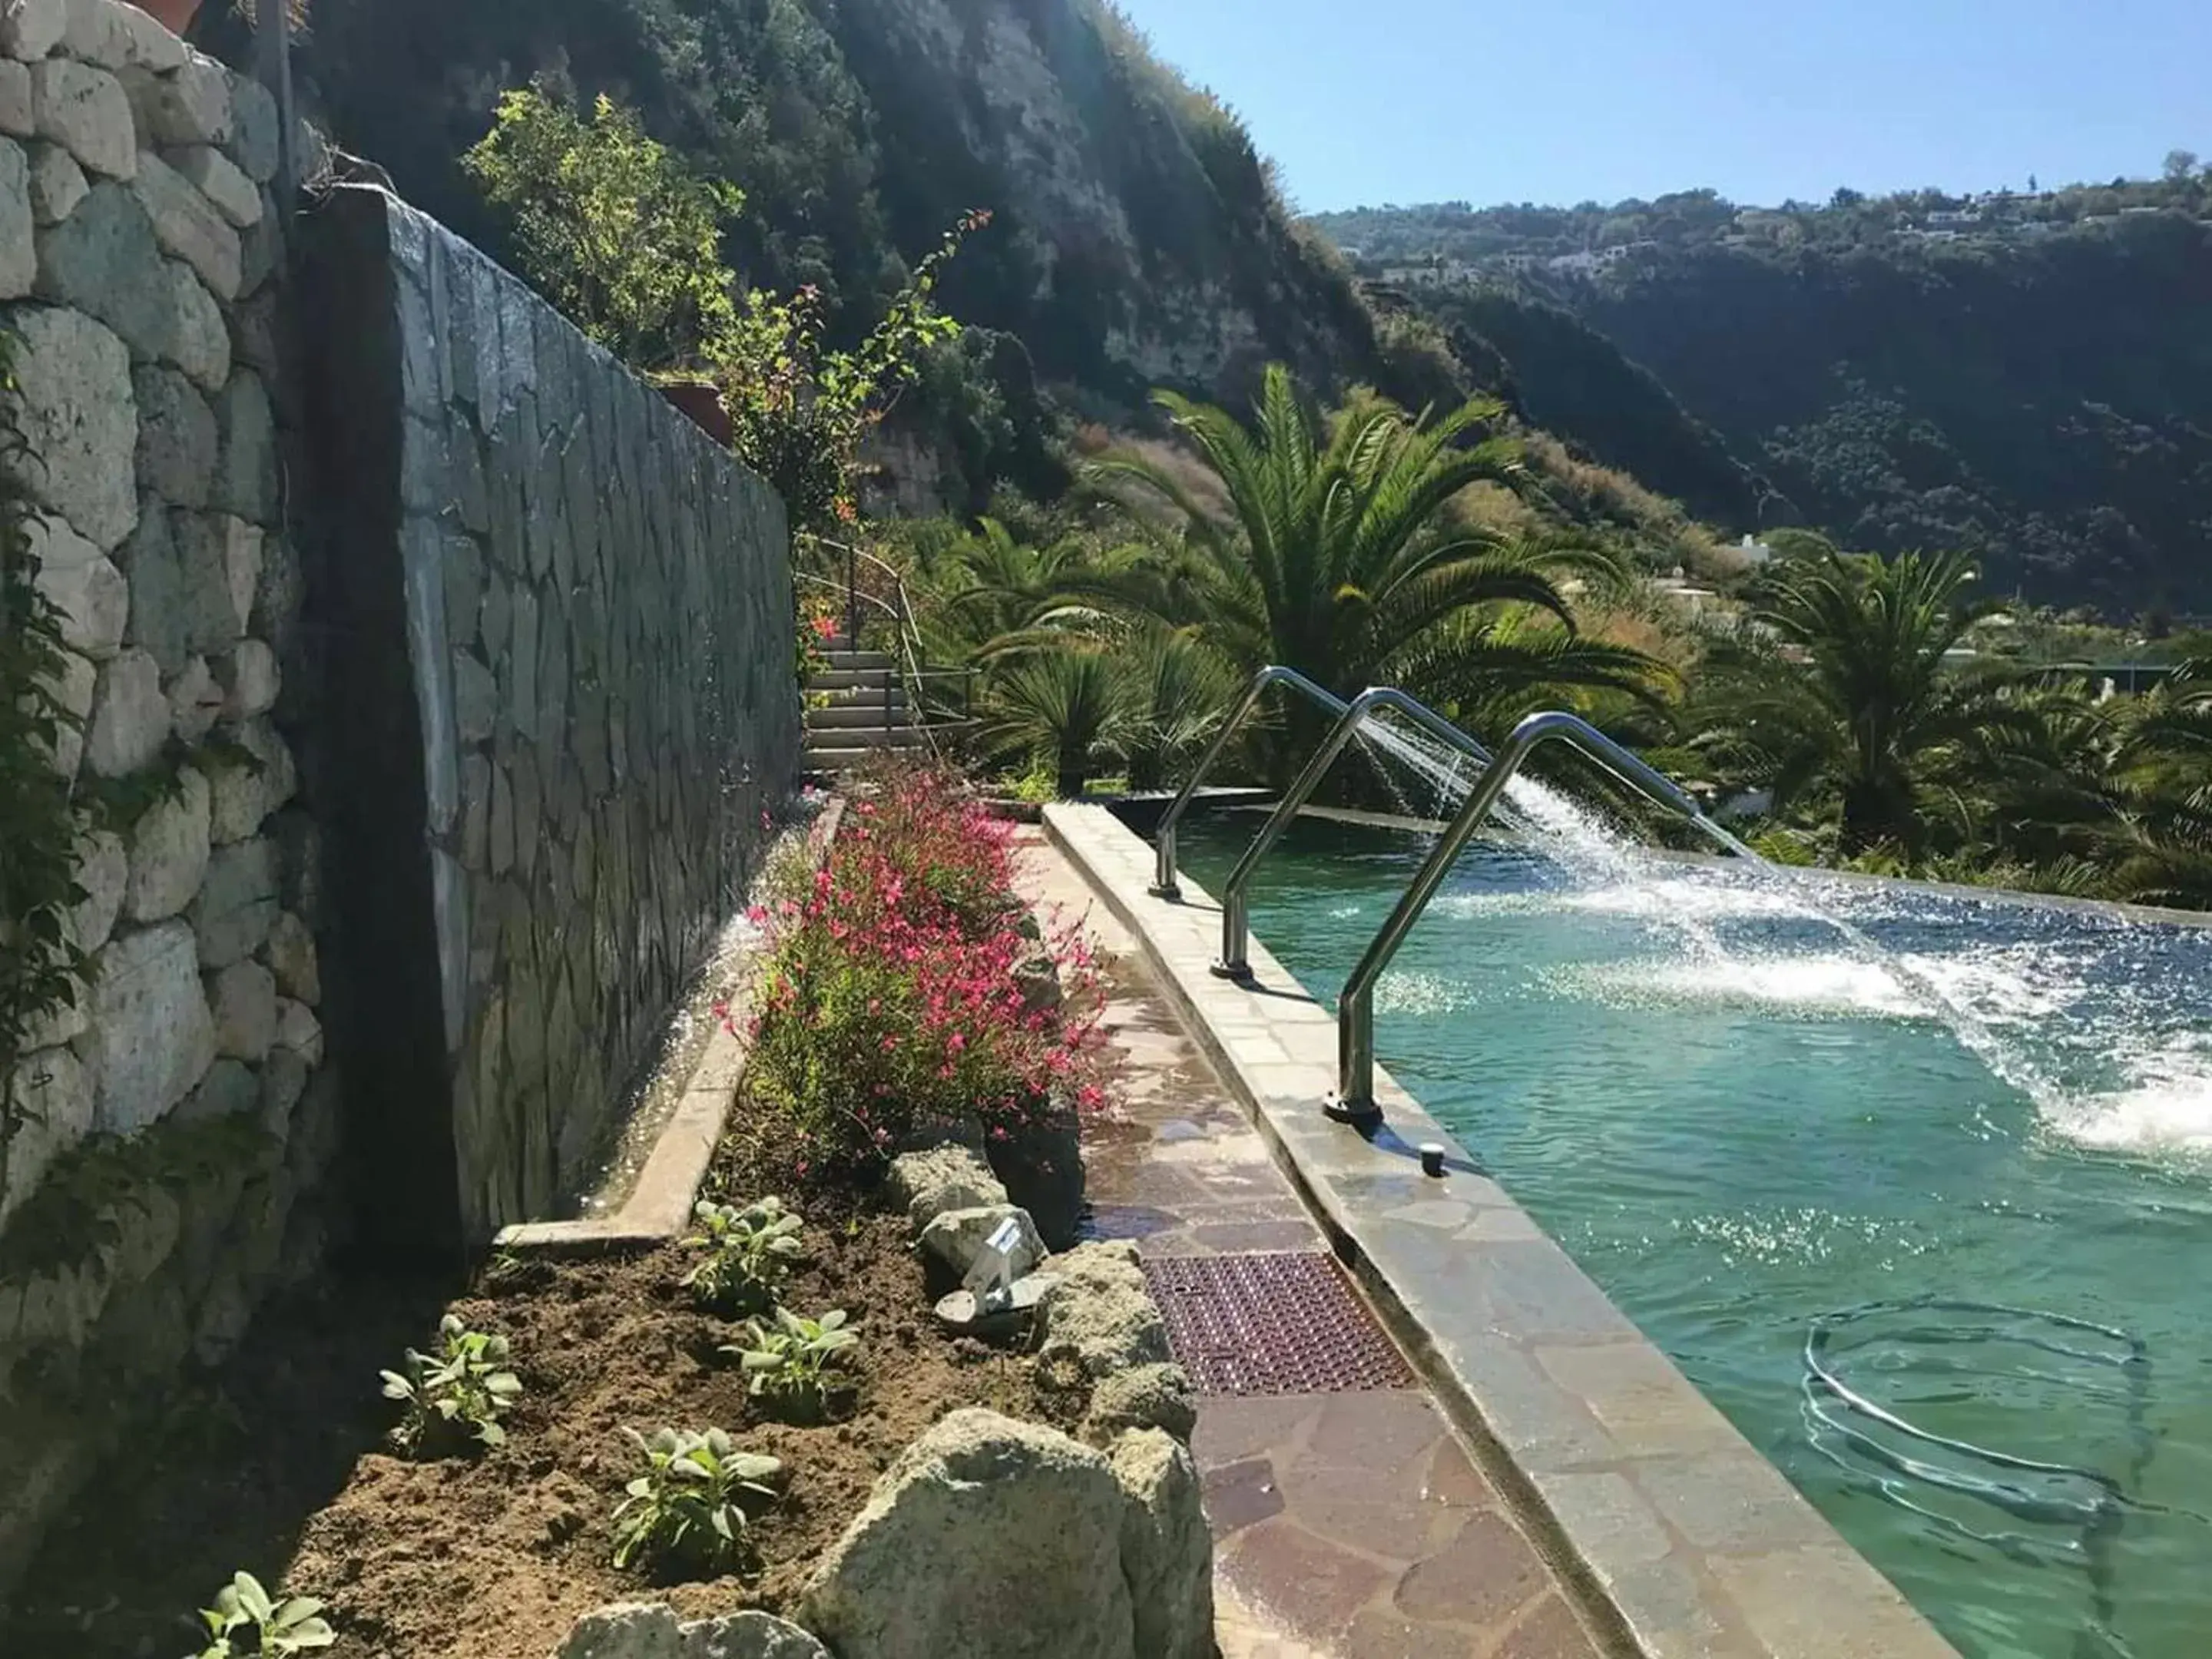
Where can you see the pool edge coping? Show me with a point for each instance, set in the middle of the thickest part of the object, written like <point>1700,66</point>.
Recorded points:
<point>1682,1538</point>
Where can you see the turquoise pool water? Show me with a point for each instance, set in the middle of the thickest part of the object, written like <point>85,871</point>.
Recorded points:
<point>1958,1287</point>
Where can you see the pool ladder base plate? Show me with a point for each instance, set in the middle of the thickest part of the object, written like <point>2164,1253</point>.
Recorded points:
<point>1361,1115</point>
<point>1172,893</point>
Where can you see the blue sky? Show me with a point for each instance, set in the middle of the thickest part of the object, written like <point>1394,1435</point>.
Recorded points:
<point>1417,100</point>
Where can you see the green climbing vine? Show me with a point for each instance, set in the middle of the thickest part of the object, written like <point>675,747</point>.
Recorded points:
<point>42,970</point>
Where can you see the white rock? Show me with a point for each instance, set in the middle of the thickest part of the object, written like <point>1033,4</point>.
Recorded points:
<point>129,716</point>
<point>51,1092</point>
<point>73,379</point>
<point>151,46</point>
<point>244,999</point>
<point>32,29</point>
<point>931,1182</point>
<point>103,870</point>
<point>94,603</point>
<point>187,224</point>
<point>195,337</point>
<point>257,130</point>
<point>243,545</point>
<point>955,1240</point>
<point>15,116</point>
<point>244,796</point>
<point>986,1536</point>
<point>189,107</point>
<point>236,906</point>
<point>1167,1549</point>
<point>58,547</point>
<point>291,956</point>
<point>250,680</point>
<point>637,1630</point>
<point>86,111</point>
<point>298,1030</point>
<point>152,1038</point>
<point>195,699</point>
<point>19,254</point>
<point>219,178</point>
<point>58,184</point>
<point>96,33</point>
<point>169,850</point>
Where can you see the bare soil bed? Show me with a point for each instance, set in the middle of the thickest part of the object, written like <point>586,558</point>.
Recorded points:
<point>283,1468</point>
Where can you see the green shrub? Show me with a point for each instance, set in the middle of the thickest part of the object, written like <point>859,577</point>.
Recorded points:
<point>796,1364</point>
<point>748,1253</point>
<point>690,1502</point>
<point>246,1619</point>
<point>466,1384</point>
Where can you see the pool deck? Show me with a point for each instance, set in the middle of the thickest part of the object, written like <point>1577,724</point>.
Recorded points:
<point>1592,1500</point>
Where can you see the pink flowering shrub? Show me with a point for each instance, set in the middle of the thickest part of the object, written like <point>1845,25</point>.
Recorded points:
<point>890,999</point>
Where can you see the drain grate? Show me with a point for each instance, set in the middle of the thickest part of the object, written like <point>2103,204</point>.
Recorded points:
<point>1287,1323</point>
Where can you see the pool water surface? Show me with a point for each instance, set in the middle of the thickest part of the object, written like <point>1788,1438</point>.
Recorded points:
<point>1932,1223</point>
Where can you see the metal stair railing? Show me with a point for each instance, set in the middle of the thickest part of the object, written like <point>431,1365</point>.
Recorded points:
<point>1354,1100</point>
<point>909,656</point>
<point>1236,929</point>
<point>1164,838</point>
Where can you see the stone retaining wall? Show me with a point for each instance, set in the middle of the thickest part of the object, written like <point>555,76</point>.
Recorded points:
<point>572,614</point>
<point>139,242</point>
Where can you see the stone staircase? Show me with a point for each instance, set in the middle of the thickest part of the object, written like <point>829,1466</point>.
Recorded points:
<point>857,708</point>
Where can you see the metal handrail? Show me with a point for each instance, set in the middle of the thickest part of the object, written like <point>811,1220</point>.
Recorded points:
<point>1164,838</point>
<point>912,654</point>
<point>1235,931</point>
<point>1355,1016</point>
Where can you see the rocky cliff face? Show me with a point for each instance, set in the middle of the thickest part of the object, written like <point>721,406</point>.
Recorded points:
<point>1136,240</point>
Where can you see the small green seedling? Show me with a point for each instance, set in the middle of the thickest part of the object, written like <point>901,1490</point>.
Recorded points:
<point>246,1620</point>
<point>749,1252</point>
<point>466,1384</point>
<point>793,1363</point>
<point>689,1503</point>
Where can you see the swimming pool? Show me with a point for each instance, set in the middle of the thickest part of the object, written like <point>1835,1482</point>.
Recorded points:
<point>1933,1229</point>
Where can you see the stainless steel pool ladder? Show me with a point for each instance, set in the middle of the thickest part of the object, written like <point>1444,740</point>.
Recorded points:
<point>1355,1096</point>
<point>1164,838</point>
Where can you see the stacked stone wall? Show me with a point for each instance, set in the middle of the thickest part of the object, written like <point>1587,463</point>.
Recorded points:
<point>164,1130</point>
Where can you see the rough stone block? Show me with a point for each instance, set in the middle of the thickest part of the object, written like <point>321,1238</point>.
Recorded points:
<point>169,851</point>
<point>475,698</point>
<point>953,1242</point>
<point>181,602</point>
<point>193,333</point>
<point>29,29</point>
<point>1099,1317</point>
<point>189,225</point>
<point>177,439</point>
<point>298,1030</point>
<point>103,871</point>
<point>85,111</point>
<point>191,105</point>
<point>244,796</point>
<point>94,604</point>
<point>237,904</point>
<point>96,33</point>
<point>635,1630</point>
<point>52,1094</point>
<point>74,688</point>
<point>152,1038</point>
<point>243,545</point>
<point>56,546</point>
<point>129,716</point>
<point>291,954</point>
<point>256,130</point>
<point>229,1088</point>
<point>249,680</point>
<point>987,1535</point>
<point>195,699</point>
<point>16,117</point>
<point>246,474</point>
<point>151,46</point>
<point>941,1179</point>
<point>219,178</point>
<point>1167,1549</point>
<point>18,261</point>
<point>244,999</point>
<point>58,184</point>
<point>80,418</point>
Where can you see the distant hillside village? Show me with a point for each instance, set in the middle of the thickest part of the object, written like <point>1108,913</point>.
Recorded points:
<point>1454,245</point>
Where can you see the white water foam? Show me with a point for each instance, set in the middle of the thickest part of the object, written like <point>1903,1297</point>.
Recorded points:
<point>1832,985</point>
<point>2167,1107</point>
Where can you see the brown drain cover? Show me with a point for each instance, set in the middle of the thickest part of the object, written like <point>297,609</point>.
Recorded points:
<point>1287,1323</point>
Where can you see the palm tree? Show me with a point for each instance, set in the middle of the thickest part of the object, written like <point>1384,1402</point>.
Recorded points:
<point>1068,707</point>
<point>2163,762</point>
<point>1857,713</point>
<point>1338,555</point>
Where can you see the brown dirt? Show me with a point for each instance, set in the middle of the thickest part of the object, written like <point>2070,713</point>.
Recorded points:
<point>494,1557</point>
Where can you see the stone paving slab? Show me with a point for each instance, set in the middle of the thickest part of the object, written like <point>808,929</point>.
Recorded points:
<point>1695,1545</point>
<point>1350,1524</point>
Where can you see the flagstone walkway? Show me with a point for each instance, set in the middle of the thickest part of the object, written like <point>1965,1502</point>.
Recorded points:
<point>1348,1520</point>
